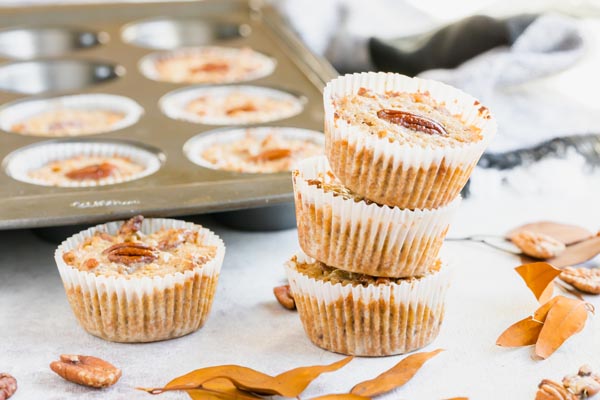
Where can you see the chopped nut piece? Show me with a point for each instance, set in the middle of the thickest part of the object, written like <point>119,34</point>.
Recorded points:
<point>412,121</point>
<point>537,245</point>
<point>68,257</point>
<point>584,384</point>
<point>86,370</point>
<point>272,154</point>
<point>550,390</point>
<point>584,279</point>
<point>131,253</point>
<point>90,263</point>
<point>8,385</point>
<point>248,107</point>
<point>92,172</point>
<point>132,225</point>
<point>284,297</point>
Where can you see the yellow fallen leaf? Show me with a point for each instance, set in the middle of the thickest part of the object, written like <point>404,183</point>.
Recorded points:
<point>538,277</point>
<point>565,318</point>
<point>341,396</point>
<point>395,377</point>
<point>522,333</point>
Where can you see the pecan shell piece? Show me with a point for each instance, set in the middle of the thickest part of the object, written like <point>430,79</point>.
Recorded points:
<point>284,297</point>
<point>584,279</point>
<point>92,172</point>
<point>412,121</point>
<point>86,370</point>
<point>8,385</point>
<point>131,253</point>
<point>550,390</point>
<point>132,225</point>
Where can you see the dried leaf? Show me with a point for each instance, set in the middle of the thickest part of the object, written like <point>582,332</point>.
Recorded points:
<point>287,384</point>
<point>220,389</point>
<point>577,253</point>
<point>541,313</point>
<point>522,333</point>
<point>566,317</point>
<point>565,233</point>
<point>341,396</point>
<point>538,277</point>
<point>395,377</point>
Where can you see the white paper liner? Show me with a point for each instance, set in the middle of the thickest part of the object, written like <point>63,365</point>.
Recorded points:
<point>194,147</point>
<point>19,163</point>
<point>173,104</point>
<point>147,64</point>
<point>21,110</point>
<point>365,238</point>
<point>370,176</point>
<point>373,320</point>
<point>141,309</point>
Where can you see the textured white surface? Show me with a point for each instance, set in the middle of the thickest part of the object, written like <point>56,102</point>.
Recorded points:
<point>248,327</point>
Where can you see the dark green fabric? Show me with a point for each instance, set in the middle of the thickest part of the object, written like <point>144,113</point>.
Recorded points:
<point>447,47</point>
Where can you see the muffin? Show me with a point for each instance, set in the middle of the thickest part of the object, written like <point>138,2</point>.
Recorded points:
<point>76,115</point>
<point>81,163</point>
<point>90,170</point>
<point>254,150</point>
<point>210,64</point>
<point>343,229</point>
<point>231,105</point>
<point>401,141</point>
<point>362,315</point>
<point>142,280</point>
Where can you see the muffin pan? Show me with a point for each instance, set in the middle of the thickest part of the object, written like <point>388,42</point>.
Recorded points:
<point>97,49</point>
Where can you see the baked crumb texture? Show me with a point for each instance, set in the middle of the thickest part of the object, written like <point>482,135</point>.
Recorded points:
<point>258,150</point>
<point>346,231</point>
<point>210,64</point>
<point>367,316</point>
<point>68,122</point>
<point>168,297</point>
<point>403,141</point>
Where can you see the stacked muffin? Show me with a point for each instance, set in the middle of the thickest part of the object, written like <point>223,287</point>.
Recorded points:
<point>372,216</point>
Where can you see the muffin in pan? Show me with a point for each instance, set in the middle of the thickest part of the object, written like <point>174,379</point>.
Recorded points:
<point>82,163</point>
<point>254,150</point>
<point>230,105</point>
<point>208,64</point>
<point>362,315</point>
<point>403,141</point>
<point>76,115</point>
<point>344,230</point>
<point>141,280</point>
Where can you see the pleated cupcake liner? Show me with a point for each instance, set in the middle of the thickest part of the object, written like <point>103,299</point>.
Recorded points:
<point>373,320</point>
<point>404,175</point>
<point>142,309</point>
<point>365,237</point>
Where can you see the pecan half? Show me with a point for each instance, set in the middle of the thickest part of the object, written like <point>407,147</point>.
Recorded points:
<point>271,155</point>
<point>8,385</point>
<point>248,107</point>
<point>584,279</point>
<point>132,225</point>
<point>550,390</point>
<point>284,297</point>
<point>92,172</point>
<point>86,370</point>
<point>210,67</point>
<point>584,384</point>
<point>131,253</point>
<point>412,121</point>
<point>537,245</point>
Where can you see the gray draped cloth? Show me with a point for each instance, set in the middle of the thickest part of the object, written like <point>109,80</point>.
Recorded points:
<point>494,60</point>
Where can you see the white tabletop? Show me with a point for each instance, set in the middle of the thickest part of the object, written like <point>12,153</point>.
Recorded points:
<point>248,327</point>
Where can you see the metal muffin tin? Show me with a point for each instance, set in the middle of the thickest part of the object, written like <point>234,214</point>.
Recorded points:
<point>96,49</point>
